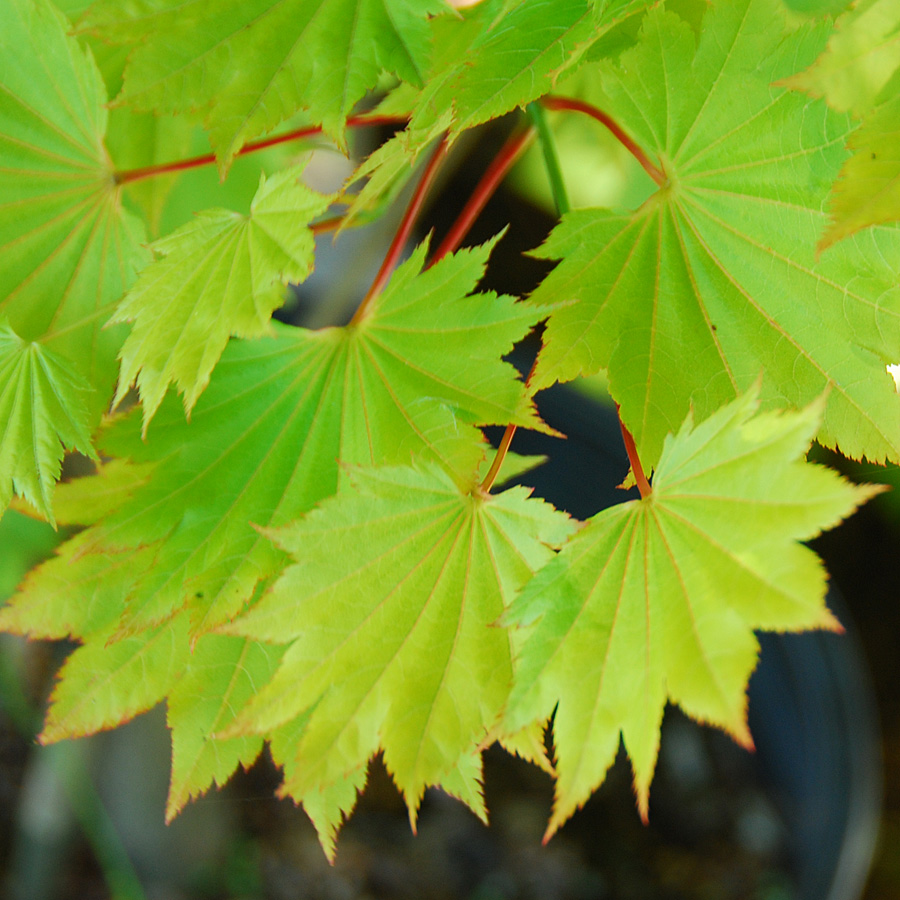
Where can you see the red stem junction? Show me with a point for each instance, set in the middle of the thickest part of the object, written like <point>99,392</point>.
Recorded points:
<point>509,154</point>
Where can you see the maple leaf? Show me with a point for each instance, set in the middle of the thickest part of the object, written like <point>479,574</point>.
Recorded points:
<point>658,598</point>
<point>249,66</point>
<point>863,54</point>
<point>44,408</point>
<point>221,675</point>
<point>858,71</point>
<point>714,278</point>
<point>391,607</point>
<point>67,249</point>
<point>102,685</point>
<point>266,438</point>
<point>222,274</point>
<point>105,683</point>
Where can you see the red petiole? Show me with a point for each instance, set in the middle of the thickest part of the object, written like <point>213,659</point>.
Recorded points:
<point>392,257</point>
<point>509,153</point>
<point>129,175</point>
<point>640,478</point>
<point>637,152</point>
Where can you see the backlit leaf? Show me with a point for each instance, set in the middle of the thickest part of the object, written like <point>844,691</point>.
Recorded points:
<point>222,274</point>
<point>395,592</point>
<point>657,599</point>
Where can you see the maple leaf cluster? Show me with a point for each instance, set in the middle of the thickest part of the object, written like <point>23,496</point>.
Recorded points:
<point>305,547</point>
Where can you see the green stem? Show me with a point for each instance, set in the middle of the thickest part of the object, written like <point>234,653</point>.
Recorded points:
<point>551,158</point>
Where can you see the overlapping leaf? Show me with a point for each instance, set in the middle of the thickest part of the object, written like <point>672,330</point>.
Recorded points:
<point>859,72</point>
<point>222,274</point>
<point>391,607</point>
<point>715,279</point>
<point>44,408</point>
<point>863,54</point>
<point>868,189</point>
<point>266,438</point>
<point>250,65</point>
<point>105,684</point>
<point>657,599</point>
<point>501,56</point>
<point>67,249</point>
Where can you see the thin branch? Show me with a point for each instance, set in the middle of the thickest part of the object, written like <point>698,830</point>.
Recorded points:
<point>551,159</point>
<point>129,175</point>
<point>509,153</point>
<point>567,103</point>
<point>403,232</point>
<point>636,467</point>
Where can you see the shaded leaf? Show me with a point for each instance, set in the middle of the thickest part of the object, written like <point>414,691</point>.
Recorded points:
<point>714,279</point>
<point>44,408</point>
<point>248,66</point>
<point>67,249</point>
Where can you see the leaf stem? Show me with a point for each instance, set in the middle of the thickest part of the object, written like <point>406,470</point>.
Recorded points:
<point>636,467</point>
<point>403,232</point>
<point>551,158</point>
<point>128,175</point>
<point>509,153</point>
<point>568,103</point>
<point>503,446</point>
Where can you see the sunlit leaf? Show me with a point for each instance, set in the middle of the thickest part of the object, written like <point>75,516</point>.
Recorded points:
<point>657,599</point>
<point>222,274</point>
<point>395,591</point>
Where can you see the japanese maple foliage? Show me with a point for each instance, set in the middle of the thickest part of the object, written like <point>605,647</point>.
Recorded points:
<point>296,536</point>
